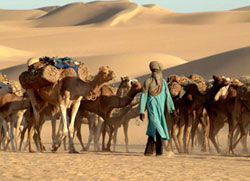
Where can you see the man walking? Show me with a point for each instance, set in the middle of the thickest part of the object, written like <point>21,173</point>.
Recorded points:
<point>154,97</point>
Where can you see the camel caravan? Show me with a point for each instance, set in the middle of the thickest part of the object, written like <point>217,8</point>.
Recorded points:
<point>62,90</point>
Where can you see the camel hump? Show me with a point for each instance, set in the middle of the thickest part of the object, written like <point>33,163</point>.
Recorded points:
<point>196,78</point>
<point>245,79</point>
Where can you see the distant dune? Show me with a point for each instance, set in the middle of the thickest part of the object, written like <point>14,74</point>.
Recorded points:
<point>123,13</point>
<point>202,18</point>
<point>233,63</point>
<point>130,64</point>
<point>14,15</point>
<point>247,8</point>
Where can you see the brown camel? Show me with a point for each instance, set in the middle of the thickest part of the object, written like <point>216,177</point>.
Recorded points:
<point>192,101</point>
<point>106,102</point>
<point>10,106</point>
<point>123,118</point>
<point>68,93</point>
<point>228,109</point>
<point>82,114</point>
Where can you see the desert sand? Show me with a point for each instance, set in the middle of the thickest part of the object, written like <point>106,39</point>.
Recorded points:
<point>126,36</point>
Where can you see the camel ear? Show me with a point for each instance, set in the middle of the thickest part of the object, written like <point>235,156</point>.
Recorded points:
<point>215,77</point>
<point>121,78</point>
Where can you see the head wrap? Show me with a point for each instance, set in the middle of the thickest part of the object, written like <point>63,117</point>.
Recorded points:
<point>153,85</point>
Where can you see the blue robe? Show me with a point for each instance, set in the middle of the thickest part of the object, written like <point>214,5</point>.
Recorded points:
<point>155,106</point>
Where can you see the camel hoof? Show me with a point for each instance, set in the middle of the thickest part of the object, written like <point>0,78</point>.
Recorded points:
<point>54,148</point>
<point>73,151</point>
<point>106,149</point>
<point>32,151</point>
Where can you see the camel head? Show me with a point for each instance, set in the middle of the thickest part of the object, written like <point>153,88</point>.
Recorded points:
<point>125,82</point>
<point>220,81</point>
<point>105,74</point>
<point>5,88</point>
<point>136,86</point>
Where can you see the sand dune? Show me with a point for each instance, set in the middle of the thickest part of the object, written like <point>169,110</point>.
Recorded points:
<point>115,13</point>
<point>83,14</point>
<point>202,18</point>
<point>130,64</point>
<point>247,8</point>
<point>14,15</point>
<point>7,52</point>
<point>233,63</point>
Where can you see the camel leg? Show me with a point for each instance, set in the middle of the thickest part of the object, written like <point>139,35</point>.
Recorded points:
<point>187,133</point>
<point>243,140</point>
<point>173,134</point>
<point>92,131</point>
<point>180,133</point>
<point>103,135</point>
<point>115,137</point>
<point>74,110</point>
<point>22,138</point>
<point>110,137</point>
<point>30,132</point>
<point>12,136</point>
<point>79,135</point>
<point>125,129</point>
<point>6,139</point>
<point>213,131</point>
<point>18,124</point>
<point>230,134</point>
<point>242,131</point>
<point>98,133</point>
<point>63,126</point>
<point>193,131</point>
<point>53,127</point>
<point>205,125</point>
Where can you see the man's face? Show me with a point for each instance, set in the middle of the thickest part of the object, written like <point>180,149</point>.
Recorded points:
<point>154,70</point>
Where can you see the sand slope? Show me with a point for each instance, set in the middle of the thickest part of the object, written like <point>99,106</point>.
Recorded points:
<point>11,15</point>
<point>231,63</point>
<point>127,64</point>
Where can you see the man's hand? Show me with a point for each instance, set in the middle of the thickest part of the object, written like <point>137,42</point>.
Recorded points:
<point>142,117</point>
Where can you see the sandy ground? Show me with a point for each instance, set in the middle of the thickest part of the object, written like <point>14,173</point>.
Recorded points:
<point>126,36</point>
<point>120,165</point>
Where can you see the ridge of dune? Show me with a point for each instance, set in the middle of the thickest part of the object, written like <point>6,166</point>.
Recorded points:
<point>125,15</point>
<point>156,7</point>
<point>86,13</point>
<point>14,15</point>
<point>246,8</point>
<point>234,63</point>
<point>96,13</point>
<point>49,8</point>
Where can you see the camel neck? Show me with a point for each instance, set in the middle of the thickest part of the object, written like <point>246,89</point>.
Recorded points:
<point>212,93</point>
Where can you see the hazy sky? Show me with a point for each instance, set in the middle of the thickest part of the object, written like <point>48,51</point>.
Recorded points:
<point>175,5</point>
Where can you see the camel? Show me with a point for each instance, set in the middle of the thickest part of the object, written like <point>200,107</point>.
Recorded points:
<point>85,117</point>
<point>11,107</point>
<point>192,101</point>
<point>126,114</point>
<point>106,102</point>
<point>122,90</point>
<point>68,93</point>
